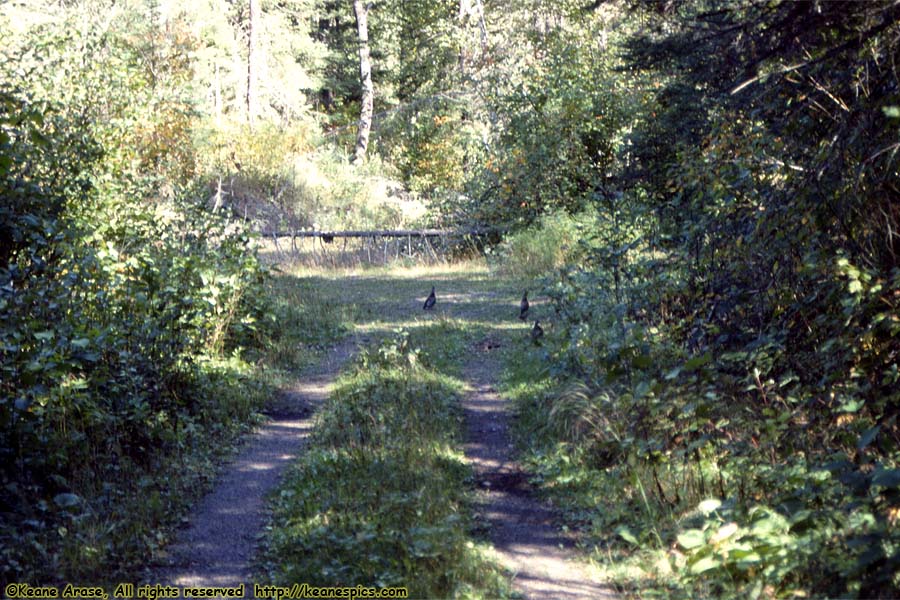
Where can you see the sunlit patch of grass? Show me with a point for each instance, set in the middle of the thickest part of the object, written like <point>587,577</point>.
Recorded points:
<point>379,300</point>
<point>403,269</point>
<point>467,269</point>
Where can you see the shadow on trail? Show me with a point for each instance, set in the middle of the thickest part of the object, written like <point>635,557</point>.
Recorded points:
<point>524,531</point>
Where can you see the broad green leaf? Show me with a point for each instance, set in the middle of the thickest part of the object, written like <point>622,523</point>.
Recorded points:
<point>706,563</point>
<point>886,478</point>
<point>67,500</point>
<point>691,538</point>
<point>707,506</point>
<point>852,406</point>
<point>745,557</point>
<point>724,532</point>
<point>697,362</point>
<point>866,438</point>
<point>626,535</point>
<point>768,525</point>
<point>673,373</point>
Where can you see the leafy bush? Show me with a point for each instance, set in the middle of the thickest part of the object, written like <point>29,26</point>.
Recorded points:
<point>805,481</point>
<point>728,340</point>
<point>432,146</point>
<point>124,308</point>
<point>560,122</point>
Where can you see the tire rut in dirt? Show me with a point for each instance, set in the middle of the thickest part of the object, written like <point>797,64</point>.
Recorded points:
<point>525,532</point>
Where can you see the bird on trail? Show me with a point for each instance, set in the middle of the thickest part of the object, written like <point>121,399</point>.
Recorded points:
<point>537,332</point>
<point>430,300</point>
<point>523,307</point>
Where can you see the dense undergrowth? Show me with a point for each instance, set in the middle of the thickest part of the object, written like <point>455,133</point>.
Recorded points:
<point>127,308</point>
<point>118,321</point>
<point>380,496</point>
<point>700,459</point>
<point>719,402</point>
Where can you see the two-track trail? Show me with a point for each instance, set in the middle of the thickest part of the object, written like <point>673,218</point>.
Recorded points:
<point>217,548</point>
<point>524,531</point>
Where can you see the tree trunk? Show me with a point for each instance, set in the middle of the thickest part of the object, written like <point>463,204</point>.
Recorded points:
<point>465,8</point>
<point>253,63</point>
<point>365,78</point>
<point>482,27</point>
<point>471,9</point>
<point>217,95</point>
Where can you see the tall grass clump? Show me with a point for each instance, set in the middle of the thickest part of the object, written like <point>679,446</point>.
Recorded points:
<point>306,184</point>
<point>542,248</point>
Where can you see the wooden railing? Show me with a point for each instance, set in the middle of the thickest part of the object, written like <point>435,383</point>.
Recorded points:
<point>430,242</point>
<point>376,233</point>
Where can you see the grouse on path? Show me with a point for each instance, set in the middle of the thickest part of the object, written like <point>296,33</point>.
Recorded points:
<point>537,332</point>
<point>523,307</point>
<point>430,300</point>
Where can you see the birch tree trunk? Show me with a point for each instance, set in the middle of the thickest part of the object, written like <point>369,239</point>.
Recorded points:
<point>365,78</point>
<point>253,63</point>
<point>482,27</point>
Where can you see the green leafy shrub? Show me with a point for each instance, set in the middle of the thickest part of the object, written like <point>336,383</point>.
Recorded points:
<point>560,122</point>
<point>432,146</point>
<point>124,308</point>
<point>662,394</point>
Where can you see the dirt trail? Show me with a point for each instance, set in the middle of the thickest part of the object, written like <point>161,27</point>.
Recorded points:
<point>217,547</point>
<point>523,530</point>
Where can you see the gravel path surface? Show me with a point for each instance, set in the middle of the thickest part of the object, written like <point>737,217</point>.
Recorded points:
<point>524,531</point>
<point>216,548</point>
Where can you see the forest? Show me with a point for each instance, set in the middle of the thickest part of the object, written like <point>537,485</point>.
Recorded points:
<point>701,200</point>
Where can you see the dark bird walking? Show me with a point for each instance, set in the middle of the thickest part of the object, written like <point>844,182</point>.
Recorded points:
<point>430,300</point>
<point>537,332</point>
<point>523,307</point>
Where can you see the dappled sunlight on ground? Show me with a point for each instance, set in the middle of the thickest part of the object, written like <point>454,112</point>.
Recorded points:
<point>386,299</point>
<point>375,326</point>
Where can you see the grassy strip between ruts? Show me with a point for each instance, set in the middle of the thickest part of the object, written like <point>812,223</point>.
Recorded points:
<point>379,498</point>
